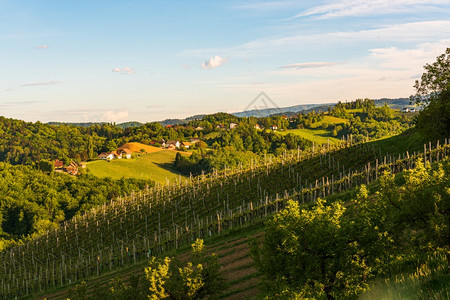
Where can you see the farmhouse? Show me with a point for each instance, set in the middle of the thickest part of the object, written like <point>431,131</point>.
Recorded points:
<point>186,144</point>
<point>257,126</point>
<point>274,127</point>
<point>71,169</point>
<point>58,164</point>
<point>117,154</point>
<point>106,156</point>
<point>233,125</point>
<point>172,144</point>
<point>125,153</point>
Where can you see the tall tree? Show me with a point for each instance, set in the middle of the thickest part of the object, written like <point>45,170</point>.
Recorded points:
<point>433,90</point>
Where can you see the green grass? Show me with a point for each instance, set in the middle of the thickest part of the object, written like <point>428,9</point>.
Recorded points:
<point>410,140</point>
<point>319,136</point>
<point>330,120</point>
<point>355,110</point>
<point>155,166</point>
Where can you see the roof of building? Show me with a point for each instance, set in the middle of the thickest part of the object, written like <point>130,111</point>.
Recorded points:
<point>104,154</point>
<point>126,151</point>
<point>58,163</point>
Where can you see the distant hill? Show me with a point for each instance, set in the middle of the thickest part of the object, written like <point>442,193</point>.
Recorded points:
<point>275,110</point>
<point>81,124</point>
<point>397,103</point>
<point>129,124</point>
<point>87,124</point>
<point>137,147</point>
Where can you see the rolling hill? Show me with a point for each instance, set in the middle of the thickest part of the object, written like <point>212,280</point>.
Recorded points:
<point>154,165</point>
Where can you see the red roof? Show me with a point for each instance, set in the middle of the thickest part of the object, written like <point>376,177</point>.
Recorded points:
<point>126,150</point>
<point>59,163</point>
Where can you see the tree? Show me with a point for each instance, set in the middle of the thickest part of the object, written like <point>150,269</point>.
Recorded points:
<point>434,80</point>
<point>45,166</point>
<point>170,278</point>
<point>434,89</point>
<point>308,252</point>
<point>434,120</point>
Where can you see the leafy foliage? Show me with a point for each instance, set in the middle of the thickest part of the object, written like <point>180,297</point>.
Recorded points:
<point>433,90</point>
<point>33,202</point>
<point>434,80</point>
<point>169,278</point>
<point>332,250</point>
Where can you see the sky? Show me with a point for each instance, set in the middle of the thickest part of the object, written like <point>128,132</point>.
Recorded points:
<point>144,60</point>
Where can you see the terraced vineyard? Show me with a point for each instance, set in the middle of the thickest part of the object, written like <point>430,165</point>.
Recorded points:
<point>131,229</point>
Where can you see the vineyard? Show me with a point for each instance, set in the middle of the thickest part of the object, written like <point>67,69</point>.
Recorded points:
<point>149,223</point>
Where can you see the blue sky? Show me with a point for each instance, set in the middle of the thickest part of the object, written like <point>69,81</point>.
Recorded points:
<point>118,61</point>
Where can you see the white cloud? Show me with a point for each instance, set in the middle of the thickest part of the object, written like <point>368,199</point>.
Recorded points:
<point>346,8</point>
<point>124,71</point>
<point>51,82</point>
<point>214,62</point>
<point>419,32</point>
<point>113,116</point>
<point>309,65</point>
<point>42,47</point>
<point>385,72</point>
<point>408,59</point>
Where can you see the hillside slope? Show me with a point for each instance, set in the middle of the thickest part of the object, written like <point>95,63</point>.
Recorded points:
<point>163,218</point>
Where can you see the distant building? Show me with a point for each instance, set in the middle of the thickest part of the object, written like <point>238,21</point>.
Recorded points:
<point>274,127</point>
<point>233,125</point>
<point>220,126</point>
<point>194,140</point>
<point>175,144</point>
<point>125,153</point>
<point>106,156</point>
<point>405,109</point>
<point>116,154</point>
<point>58,164</point>
<point>72,168</point>
<point>187,145</point>
<point>257,126</point>
<point>199,128</point>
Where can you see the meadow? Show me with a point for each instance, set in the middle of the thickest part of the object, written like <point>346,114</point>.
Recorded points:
<point>156,166</point>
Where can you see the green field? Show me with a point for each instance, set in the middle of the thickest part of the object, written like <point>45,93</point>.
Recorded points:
<point>155,166</point>
<point>319,136</point>
<point>330,120</point>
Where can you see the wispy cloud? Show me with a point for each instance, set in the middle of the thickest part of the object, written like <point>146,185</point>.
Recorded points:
<point>214,62</point>
<point>408,59</point>
<point>124,71</point>
<point>18,103</point>
<point>419,32</point>
<point>42,47</point>
<point>346,8</point>
<point>51,82</point>
<point>309,65</point>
